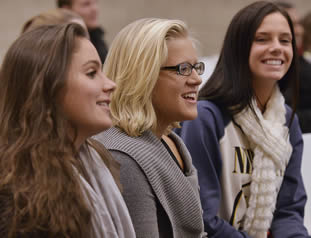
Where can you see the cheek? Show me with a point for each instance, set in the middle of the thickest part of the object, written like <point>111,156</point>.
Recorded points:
<point>79,99</point>
<point>161,99</point>
<point>251,64</point>
<point>156,98</point>
<point>251,56</point>
<point>254,59</point>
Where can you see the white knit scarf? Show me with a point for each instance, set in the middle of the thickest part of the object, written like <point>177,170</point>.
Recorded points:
<point>272,150</point>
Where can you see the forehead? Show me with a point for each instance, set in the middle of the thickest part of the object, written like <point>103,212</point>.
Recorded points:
<point>84,52</point>
<point>274,22</point>
<point>181,49</point>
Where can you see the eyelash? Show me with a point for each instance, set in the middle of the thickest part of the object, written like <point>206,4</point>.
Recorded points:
<point>286,41</point>
<point>92,74</point>
<point>282,41</point>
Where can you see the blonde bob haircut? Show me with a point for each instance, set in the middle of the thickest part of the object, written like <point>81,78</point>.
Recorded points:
<point>133,63</point>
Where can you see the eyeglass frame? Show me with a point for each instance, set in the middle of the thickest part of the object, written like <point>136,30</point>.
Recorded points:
<point>177,68</point>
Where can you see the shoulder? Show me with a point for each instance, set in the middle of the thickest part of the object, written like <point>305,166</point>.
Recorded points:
<point>294,125</point>
<point>132,176</point>
<point>295,133</point>
<point>211,119</point>
<point>289,112</point>
<point>211,112</point>
<point>113,138</point>
<point>125,160</point>
<point>205,105</point>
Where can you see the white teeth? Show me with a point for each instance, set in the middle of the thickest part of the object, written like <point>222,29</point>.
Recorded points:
<point>103,104</point>
<point>190,95</point>
<point>273,62</point>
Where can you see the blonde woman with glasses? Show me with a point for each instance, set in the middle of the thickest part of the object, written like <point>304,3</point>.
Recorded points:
<point>155,67</point>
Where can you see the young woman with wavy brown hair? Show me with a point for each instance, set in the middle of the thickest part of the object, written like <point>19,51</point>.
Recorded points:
<point>53,97</point>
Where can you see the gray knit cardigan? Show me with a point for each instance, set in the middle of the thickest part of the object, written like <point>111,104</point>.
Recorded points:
<point>176,191</point>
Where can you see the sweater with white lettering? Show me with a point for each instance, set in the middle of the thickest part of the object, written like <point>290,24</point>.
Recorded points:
<point>222,156</point>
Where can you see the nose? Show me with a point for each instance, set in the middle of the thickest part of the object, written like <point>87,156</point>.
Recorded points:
<point>275,46</point>
<point>108,84</point>
<point>194,78</point>
<point>94,7</point>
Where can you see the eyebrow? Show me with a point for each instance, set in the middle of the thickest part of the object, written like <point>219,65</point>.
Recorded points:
<point>267,33</point>
<point>93,62</point>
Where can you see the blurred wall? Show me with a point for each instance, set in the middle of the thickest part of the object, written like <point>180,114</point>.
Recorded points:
<point>208,19</point>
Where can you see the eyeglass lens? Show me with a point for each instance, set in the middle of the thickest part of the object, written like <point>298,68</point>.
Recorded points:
<point>186,68</point>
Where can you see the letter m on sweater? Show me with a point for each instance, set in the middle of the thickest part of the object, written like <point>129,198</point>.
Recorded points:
<point>243,161</point>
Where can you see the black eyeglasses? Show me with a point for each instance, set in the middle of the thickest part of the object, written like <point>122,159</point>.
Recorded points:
<point>186,68</point>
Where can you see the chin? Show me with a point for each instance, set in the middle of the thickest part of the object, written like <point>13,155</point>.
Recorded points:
<point>275,78</point>
<point>104,125</point>
<point>92,25</point>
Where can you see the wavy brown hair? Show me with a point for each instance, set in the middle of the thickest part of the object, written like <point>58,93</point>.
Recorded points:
<point>39,186</point>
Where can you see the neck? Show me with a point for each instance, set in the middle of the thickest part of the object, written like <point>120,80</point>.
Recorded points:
<point>78,139</point>
<point>159,133</point>
<point>261,105</point>
<point>160,130</point>
<point>263,95</point>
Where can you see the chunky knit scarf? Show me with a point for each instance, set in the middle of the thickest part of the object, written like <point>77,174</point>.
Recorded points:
<point>269,141</point>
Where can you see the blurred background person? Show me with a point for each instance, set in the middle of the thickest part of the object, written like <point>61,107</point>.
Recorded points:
<point>293,14</point>
<point>306,23</point>
<point>157,72</point>
<point>54,96</point>
<point>88,10</point>
<point>304,99</point>
<point>304,104</point>
<point>53,17</point>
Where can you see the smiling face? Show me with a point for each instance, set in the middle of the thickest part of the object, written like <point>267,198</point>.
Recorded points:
<point>88,10</point>
<point>271,52</point>
<point>87,94</point>
<point>175,96</point>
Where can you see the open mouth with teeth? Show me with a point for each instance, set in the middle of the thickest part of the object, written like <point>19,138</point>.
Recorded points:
<point>103,104</point>
<point>273,62</point>
<point>190,96</point>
